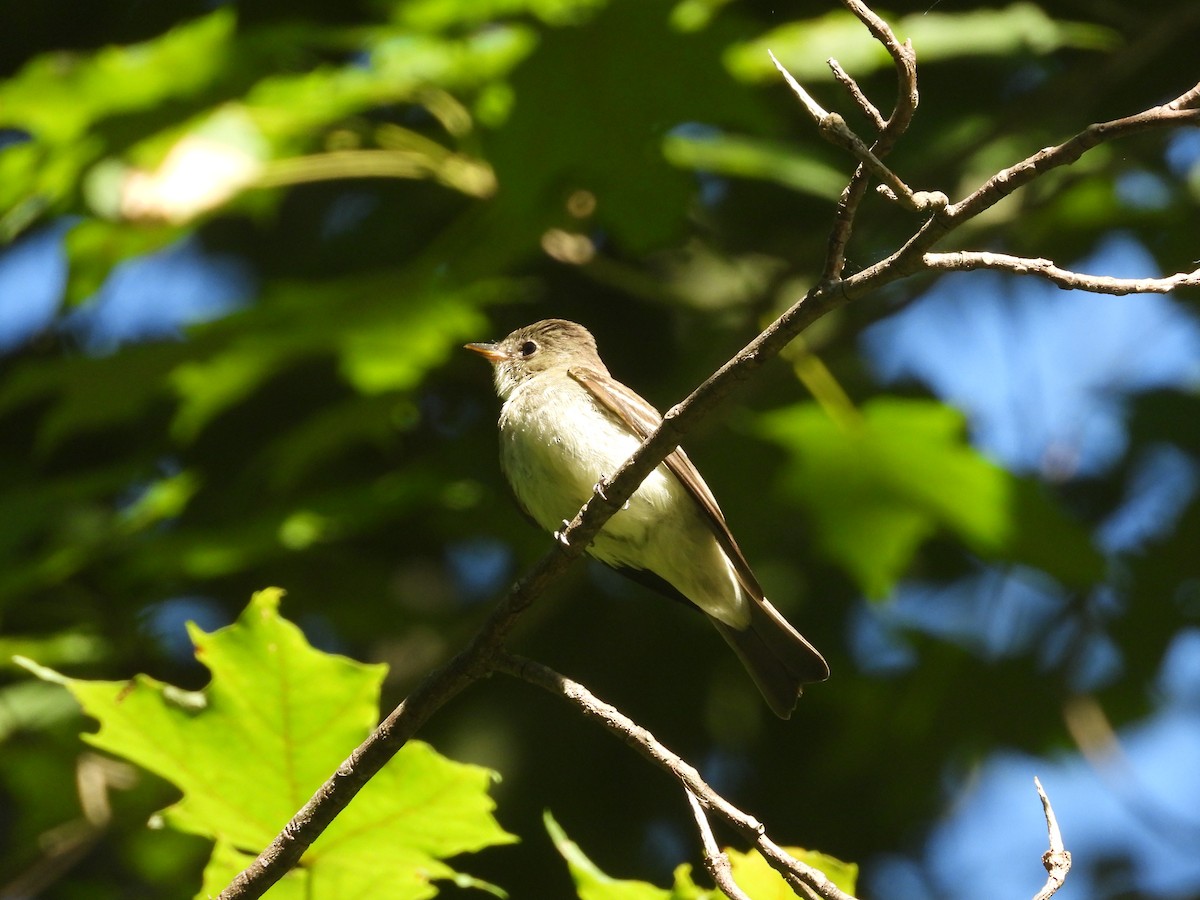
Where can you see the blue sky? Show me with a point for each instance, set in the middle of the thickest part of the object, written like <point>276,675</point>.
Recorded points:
<point>1045,378</point>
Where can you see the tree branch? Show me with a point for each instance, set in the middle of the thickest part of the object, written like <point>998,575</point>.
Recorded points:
<point>864,104</point>
<point>478,658</point>
<point>905,60</point>
<point>1057,859</point>
<point>967,260</point>
<point>1179,111</point>
<point>793,870</point>
<point>435,690</point>
<point>715,861</point>
<point>834,129</point>
<point>910,258</point>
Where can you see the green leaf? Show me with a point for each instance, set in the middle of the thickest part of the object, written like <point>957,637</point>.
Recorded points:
<point>31,706</point>
<point>380,346</point>
<point>395,353</point>
<point>752,873</point>
<point>417,60</point>
<point>606,104</point>
<point>746,157</point>
<point>58,96</point>
<point>62,99</point>
<point>879,485</point>
<point>590,882</point>
<point>755,876</point>
<point>275,721</point>
<point>803,46</point>
<point>89,393</point>
<point>685,888</point>
<point>96,246</point>
<point>73,647</point>
<point>430,15</point>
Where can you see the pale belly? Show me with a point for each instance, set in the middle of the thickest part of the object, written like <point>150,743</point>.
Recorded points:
<point>553,469</point>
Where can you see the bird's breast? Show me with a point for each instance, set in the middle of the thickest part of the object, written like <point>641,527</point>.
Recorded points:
<point>557,442</point>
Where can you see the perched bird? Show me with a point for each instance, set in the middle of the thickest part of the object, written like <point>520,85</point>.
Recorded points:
<point>566,425</point>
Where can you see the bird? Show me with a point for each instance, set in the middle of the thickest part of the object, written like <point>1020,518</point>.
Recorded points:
<point>566,424</point>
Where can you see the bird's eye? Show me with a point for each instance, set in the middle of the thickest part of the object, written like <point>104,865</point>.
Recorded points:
<point>528,348</point>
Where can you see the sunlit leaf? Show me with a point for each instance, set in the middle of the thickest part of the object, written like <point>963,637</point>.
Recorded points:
<point>58,96</point>
<point>590,882</point>
<point>755,876</point>
<point>274,722</point>
<point>435,15</point>
<point>410,61</point>
<point>380,345</point>
<point>395,353</point>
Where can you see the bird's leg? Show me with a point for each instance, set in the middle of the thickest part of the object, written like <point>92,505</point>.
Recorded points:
<point>598,490</point>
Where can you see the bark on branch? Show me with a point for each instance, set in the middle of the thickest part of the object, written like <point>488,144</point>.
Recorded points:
<point>621,726</point>
<point>967,260</point>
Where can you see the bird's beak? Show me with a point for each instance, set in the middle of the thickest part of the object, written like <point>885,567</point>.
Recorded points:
<point>490,352</point>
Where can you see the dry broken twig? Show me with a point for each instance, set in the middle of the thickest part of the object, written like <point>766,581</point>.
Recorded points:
<point>835,130</point>
<point>1057,859</point>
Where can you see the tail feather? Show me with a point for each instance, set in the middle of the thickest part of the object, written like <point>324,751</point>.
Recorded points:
<point>778,658</point>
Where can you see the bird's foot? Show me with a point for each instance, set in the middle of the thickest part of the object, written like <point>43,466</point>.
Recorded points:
<point>561,534</point>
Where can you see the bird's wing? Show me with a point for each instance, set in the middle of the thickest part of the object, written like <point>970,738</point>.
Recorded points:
<point>642,419</point>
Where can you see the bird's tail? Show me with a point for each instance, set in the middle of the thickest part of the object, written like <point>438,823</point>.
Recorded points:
<point>778,657</point>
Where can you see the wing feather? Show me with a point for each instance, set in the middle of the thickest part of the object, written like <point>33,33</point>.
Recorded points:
<point>642,419</point>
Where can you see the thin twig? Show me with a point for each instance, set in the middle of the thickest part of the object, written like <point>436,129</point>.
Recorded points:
<point>904,59</point>
<point>966,260</point>
<point>815,110</point>
<point>793,870</point>
<point>1057,859</point>
<point>909,259</point>
<point>715,860</point>
<point>861,100</point>
<point>834,129</point>
<point>1178,112</point>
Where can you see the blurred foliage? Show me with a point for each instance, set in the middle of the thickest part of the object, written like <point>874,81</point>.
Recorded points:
<point>880,484</point>
<point>803,46</point>
<point>392,178</point>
